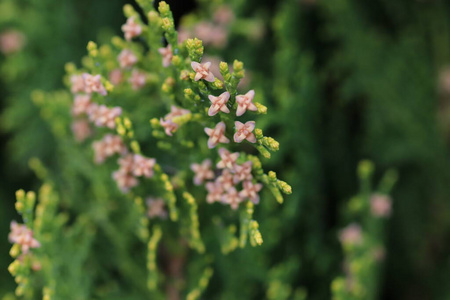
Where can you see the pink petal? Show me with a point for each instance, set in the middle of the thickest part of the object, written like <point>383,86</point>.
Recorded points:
<point>238,138</point>
<point>212,98</point>
<point>207,65</point>
<point>212,110</point>
<point>250,125</point>
<point>250,94</point>
<point>252,107</point>
<point>197,77</point>
<point>210,77</point>
<point>225,109</point>
<point>251,138</point>
<point>240,110</point>
<point>238,125</point>
<point>211,144</point>
<point>195,65</point>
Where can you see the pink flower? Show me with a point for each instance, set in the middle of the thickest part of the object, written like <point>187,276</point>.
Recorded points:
<point>380,205</point>
<point>143,166</point>
<point>216,135</point>
<point>125,181</point>
<point>108,146</point>
<point>202,71</point>
<point>93,84</point>
<point>218,103</point>
<point>81,130</point>
<point>176,112</point>
<point>126,163</point>
<point>116,76</point>
<point>81,104</point>
<point>244,132</point>
<point>137,79</point>
<point>166,55</point>
<point>11,41</point>
<point>232,198</point>
<point>251,191</point>
<point>211,34</point>
<point>77,84</point>
<point>127,58</point>
<point>23,236</point>
<point>223,15</point>
<point>243,172</point>
<point>202,171</point>
<point>156,208</point>
<point>103,116</point>
<point>215,192</point>
<point>16,231</point>
<point>228,159</point>
<point>225,180</point>
<point>169,126</point>
<point>131,29</point>
<point>351,235</point>
<point>245,103</point>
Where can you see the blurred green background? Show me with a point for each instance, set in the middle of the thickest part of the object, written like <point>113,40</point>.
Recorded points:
<point>345,80</point>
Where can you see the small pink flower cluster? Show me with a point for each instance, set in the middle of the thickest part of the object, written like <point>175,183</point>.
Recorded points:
<point>108,146</point>
<point>224,188</point>
<point>380,205</point>
<point>100,115</point>
<point>243,132</point>
<point>156,208</point>
<point>11,41</point>
<point>87,83</point>
<point>167,123</point>
<point>215,32</point>
<point>131,29</point>
<point>131,167</point>
<point>23,236</point>
<point>351,235</point>
<point>167,55</point>
<point>127,59</point>
<point>219,103</point>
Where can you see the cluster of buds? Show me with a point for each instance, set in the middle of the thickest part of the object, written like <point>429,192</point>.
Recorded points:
<point>131,167</point>
<point>225,187</point>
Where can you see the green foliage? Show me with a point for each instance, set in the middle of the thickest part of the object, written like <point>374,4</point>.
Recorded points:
<point>337,82</point>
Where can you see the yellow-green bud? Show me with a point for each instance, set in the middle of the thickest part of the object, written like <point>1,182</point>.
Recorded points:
<point>135,147</point>
<point>108,86</point>
<point>128,10</point>
<point>176,60</point>
<point>237,66</point>
<point>218,84</point>
<point>365,168</point>
<point>127,123</point>
<point>284,187</point>
<point>272,176</point>
<point>261,108</point>
<point>163,8</point>
<point>258,133</point>
<point>70,67</point>
<point>154,122</point>
<point>15,250</point>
